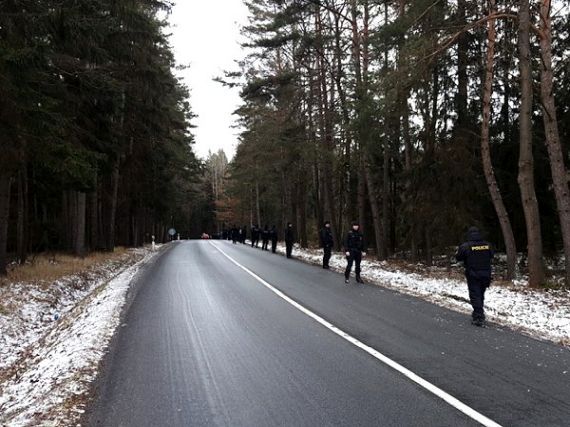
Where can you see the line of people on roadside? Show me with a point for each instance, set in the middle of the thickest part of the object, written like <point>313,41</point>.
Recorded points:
<point>265,235</point>
<point>475,253</point>
<point>354,243</point>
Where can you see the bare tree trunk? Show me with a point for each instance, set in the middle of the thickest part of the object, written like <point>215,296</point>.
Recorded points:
<point>80,205</point>
<point>66,225</point>
<point>553,145</point>
<point>22,231</point>
<point>346,123</point>
<point>496,197</point>
<point>326,128</point>
<point>413,243</point>
<point>5,185</point>
<point>526,160</point>
<point>134,230</point>
<point>317,174</point>
<point>363,177</point>
<point>377,222</point>
<point>102,218</point>
<point>302,216</point>
<point>257,208</point>
<point>112,214</point>
<point>428,246</point>
<point>93,220</point>
<point>361,192</point>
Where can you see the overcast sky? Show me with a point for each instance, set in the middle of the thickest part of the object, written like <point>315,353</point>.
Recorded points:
<point>206,35</point>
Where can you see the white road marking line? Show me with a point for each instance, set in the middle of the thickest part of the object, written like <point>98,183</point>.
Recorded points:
<point>456,403</point>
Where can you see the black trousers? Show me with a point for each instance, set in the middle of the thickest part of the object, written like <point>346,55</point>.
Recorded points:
<point>355,258</point>
<point>289,248</point>
<point>264,244</point>
<point>477,288</point>
<point>326,256</point>
<point>274,246</point>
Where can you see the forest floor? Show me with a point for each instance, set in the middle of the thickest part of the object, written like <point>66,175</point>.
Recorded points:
<point>57,316</point>
<point>540,313</point>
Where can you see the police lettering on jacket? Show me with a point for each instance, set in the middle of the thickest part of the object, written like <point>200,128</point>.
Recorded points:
<point>476,254</point>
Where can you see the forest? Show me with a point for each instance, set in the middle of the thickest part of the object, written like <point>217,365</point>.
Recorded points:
<point>95,129</point>
<point>416,118</point>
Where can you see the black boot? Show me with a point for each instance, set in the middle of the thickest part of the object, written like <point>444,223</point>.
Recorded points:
<point>478,320</point>
<point>358,279</point>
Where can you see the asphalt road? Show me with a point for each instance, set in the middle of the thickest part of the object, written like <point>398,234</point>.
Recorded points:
<point>206,343</point>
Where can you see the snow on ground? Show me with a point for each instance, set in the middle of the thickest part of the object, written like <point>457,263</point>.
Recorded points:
<point>51,346</point>
<point>543,313</point>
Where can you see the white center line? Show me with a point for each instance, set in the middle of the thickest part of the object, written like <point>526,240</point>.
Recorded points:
<point>456,403</point>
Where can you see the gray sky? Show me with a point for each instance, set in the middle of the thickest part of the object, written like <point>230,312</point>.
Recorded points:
<point>206,35</point>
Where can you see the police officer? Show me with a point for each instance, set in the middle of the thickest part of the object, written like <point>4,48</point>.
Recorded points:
<point>355,249</point>
<point>327,242</point>
<point>265,238</point>
<point>289,239</point>
<point>273,236</point>
<point>476,255</point>
<point>254,235</point>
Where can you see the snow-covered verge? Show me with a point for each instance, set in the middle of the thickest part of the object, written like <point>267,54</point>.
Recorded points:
<point>541,313</point>
<point>54,337</point>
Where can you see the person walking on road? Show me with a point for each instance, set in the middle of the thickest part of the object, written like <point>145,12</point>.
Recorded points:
<point>273,236</point>
<point>355,249</point>
<point>254,236</point>
<point>265,238</point>
<point>327,242</point>
<point>289,240</point>
<point>476,255</point>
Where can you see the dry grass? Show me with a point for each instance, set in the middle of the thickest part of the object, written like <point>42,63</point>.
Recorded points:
<point>48,268</point>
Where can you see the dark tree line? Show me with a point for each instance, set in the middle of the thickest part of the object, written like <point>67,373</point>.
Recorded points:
<point>417,118</point>
<point>94,128</point>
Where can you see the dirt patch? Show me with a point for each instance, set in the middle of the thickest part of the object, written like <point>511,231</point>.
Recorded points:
<point>44,269</point>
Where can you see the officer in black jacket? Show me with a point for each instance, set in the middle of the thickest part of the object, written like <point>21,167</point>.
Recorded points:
<point>327,242</point>
<point>476,255</point>
<point>265,238</point>
<point>289,239</point>
<point>254,235</point>
<point>273,236</point>
<point>355,249</point>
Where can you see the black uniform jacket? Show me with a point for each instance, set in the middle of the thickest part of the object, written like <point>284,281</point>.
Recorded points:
<point>326,237</point>
<point>354,242</point>
<point>476,255</point>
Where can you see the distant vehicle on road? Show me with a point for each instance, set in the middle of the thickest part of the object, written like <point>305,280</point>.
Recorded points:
<point>205,236</point>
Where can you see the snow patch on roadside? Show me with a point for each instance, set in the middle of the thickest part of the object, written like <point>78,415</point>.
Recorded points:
<point>45,385</point>
<point>543,314</point>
